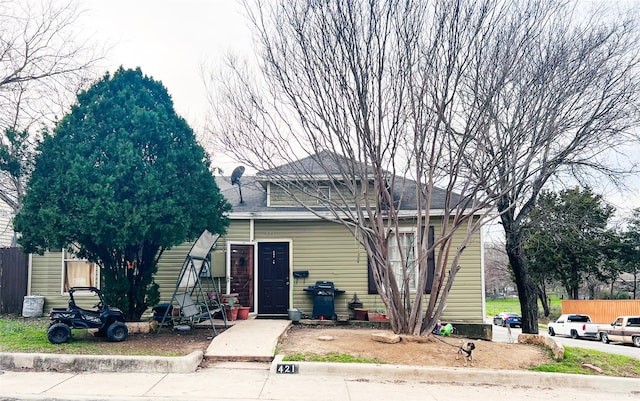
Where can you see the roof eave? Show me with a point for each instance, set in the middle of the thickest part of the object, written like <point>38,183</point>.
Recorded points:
<point>306,215</point>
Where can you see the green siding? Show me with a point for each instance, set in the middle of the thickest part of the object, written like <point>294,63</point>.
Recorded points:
<point>46,279</point>
<point>330,253</point>
<point>172,260</point>
<point>279,197</point>
<point>169,267</point>
<point>327,250</point>
<point>465,299</point>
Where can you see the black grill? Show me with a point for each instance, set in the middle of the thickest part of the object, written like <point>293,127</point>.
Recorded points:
<point>324,293</point>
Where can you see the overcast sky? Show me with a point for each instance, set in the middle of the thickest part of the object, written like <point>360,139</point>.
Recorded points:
<point>171,40</point>
<point>168,40</point>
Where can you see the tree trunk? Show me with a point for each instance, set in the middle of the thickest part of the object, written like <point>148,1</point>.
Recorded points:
<point>613,280</point>
<point>542,295</point>
<point>573,293</point>
<point>527,291</point>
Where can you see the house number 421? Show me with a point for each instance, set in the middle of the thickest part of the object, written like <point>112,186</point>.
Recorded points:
<point>287,368</point>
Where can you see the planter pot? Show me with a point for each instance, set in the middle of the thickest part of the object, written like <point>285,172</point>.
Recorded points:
<point>294,314</point>
<point>361,314</point>
<point>377,317</point>
<point>231,313</point>
<point>243,313</point>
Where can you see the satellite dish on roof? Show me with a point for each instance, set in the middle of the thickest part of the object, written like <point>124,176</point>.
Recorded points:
<point>235,180</point>
<point>236,175</point>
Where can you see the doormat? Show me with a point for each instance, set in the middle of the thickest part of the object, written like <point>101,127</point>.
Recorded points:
<point>273,317</point>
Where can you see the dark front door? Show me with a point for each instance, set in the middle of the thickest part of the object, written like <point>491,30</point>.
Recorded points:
<point>273,278</point>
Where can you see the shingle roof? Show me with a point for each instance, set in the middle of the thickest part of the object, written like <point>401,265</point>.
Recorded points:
<point>323,163</point>
<point>254,193</point>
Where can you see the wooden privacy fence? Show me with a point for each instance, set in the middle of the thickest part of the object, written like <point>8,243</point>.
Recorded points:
<point>14,266</point>
<point>600,310</point>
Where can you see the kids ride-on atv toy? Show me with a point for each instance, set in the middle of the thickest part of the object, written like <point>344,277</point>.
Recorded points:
<point>108,320</point>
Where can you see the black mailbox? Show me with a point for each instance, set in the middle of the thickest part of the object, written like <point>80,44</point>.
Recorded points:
<point>301,273</point>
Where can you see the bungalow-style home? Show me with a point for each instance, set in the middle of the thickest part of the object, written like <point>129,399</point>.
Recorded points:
<point>273,251</point>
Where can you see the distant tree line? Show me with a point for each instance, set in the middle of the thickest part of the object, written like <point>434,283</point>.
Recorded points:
<point>573,247</point>
<point>571,241</point>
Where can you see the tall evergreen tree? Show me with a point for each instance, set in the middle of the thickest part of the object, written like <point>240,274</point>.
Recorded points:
<point>120,179</point>
<point>630,250</point>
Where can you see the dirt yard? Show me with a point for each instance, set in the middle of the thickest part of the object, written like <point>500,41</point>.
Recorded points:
<point>167,342</point>
<point>436,351</point>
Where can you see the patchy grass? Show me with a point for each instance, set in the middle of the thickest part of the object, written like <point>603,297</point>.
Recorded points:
<point>331,357</point>
<point>611,364</point>
<point>25,335</point>
<point>29,335</point>
<point>495,306</point>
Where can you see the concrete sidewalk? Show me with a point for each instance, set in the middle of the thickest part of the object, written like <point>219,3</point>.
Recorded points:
<point>248,340</point>
<point>315,381</point>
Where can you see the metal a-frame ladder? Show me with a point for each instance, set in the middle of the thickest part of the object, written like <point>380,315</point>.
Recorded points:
<point>189,281</point>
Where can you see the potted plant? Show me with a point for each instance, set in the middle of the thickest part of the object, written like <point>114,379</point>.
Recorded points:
<point>377,315</point>
<point>359,312</point>
<point>230,310</point>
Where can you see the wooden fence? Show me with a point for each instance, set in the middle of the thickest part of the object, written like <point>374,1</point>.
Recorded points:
<point>14,266</point>
<point>602,311</point>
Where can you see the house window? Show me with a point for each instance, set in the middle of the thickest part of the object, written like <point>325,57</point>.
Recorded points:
<point>77,272</point>
<point>324,195</point>
<point>402,246</point>
<point>407,242</point>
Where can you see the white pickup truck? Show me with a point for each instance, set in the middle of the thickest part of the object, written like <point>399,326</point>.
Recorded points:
<point>626,329</point>
<point>574,325</point>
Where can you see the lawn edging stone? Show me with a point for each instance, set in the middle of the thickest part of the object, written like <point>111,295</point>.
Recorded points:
<point>556,348</point>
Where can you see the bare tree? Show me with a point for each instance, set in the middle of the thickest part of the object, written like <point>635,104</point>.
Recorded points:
<point>497,276</point>
<point>411,96</point>
<point>42,65</point>
<point>564,88</point>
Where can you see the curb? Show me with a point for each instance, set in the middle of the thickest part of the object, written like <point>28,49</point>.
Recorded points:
<point>463,376</point>
<point>102,363</point>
